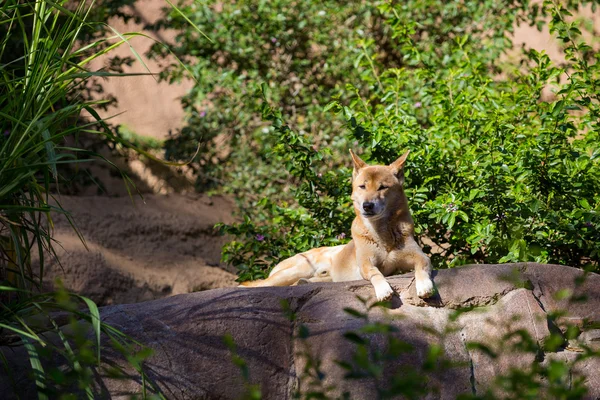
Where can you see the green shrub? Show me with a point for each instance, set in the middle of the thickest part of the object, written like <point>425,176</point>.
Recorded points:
<point>495,173</point>
<point>303,51</point>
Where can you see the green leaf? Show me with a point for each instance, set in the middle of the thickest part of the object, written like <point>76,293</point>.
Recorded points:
<point>39,374</point>
<point>96,322</point>
<point>354,338</point>
<point>355,313</point>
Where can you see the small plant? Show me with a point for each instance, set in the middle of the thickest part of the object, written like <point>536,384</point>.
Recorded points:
<point>63,344</point>
<point>252,392</point>
<point>371,360</point>
<point>381,357</point>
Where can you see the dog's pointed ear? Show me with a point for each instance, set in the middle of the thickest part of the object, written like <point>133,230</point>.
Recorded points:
<point>398,166</point>
<point>358,164</point>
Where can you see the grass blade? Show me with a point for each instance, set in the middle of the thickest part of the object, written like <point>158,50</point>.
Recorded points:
<point>95,317</point>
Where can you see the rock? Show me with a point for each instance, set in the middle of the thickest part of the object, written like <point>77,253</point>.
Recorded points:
<point>591,338</point>
<point>478,303</point>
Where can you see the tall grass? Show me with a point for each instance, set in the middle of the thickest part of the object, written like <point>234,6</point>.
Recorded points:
<point>43,74</point>
<point>41,105</point>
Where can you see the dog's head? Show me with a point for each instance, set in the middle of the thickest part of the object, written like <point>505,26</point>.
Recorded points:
<point>377,189</point>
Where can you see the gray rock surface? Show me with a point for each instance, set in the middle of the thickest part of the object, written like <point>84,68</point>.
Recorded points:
<point>190,360</point>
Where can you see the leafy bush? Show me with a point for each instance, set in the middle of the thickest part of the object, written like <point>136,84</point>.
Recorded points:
<point>302,50</point>
<point>496,174</point>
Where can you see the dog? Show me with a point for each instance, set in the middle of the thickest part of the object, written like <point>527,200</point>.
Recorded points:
<point>382,244</point>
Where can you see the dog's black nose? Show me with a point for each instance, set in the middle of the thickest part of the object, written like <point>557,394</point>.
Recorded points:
<point>368,206</point>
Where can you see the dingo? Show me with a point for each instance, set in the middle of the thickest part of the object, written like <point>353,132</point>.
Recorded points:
<point>382,242</point>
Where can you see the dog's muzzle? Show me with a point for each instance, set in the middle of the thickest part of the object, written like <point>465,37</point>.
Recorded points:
<point>368,209</point>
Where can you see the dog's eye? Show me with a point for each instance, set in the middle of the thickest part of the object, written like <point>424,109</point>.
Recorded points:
<point>362,187</point>
<point>382,187</point>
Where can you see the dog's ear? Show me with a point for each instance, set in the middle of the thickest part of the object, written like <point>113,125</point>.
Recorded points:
<point>358,164</point>
<point>398,166</point>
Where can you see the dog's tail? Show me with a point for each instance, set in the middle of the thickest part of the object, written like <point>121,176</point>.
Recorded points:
<point>256,283</point>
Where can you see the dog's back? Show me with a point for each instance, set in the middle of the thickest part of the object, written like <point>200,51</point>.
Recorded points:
<point>313,265</point>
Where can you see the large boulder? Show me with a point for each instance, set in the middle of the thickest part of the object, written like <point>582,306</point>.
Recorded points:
<point>477,303</point>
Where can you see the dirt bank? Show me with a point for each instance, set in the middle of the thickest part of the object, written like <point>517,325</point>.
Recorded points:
<point>160,246</point>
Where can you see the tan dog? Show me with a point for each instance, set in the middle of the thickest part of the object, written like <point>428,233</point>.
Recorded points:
<point>382,243</point>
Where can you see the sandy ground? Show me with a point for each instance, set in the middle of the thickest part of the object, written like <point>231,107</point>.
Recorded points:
<point>145,105</point>
<point>160,246</point>
<point>139,248</point>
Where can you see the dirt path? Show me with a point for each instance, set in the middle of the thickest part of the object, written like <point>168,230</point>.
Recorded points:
<point>139,252</point>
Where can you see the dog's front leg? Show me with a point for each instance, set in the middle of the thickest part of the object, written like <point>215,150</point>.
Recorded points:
<point>423,282</point>
<point>368,270</point>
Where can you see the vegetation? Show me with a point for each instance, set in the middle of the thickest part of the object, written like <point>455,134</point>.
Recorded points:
<point>387,356</point>
<point>504,163</point>
<point>45,48</point>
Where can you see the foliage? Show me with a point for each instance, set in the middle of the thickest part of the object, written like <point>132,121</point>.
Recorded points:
<point>503,163</point>
<point>63,344</point>
<point>552,378</point>
<point>292,229</point>
<point>251,392</point>
<point>496,175</point>
<point>45,49</point>
<point>301,50</point>
<point>40,109</point>
<point>387,364</point>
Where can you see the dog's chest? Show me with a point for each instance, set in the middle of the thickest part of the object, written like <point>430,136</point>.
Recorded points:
<point>394,262</point>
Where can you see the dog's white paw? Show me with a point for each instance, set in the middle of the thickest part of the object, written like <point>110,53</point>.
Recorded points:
<point>383,291</point>
<point>425,288</point>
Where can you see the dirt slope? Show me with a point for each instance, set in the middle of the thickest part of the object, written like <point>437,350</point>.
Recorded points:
<point>161,246</point>
<point>145,105</point>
